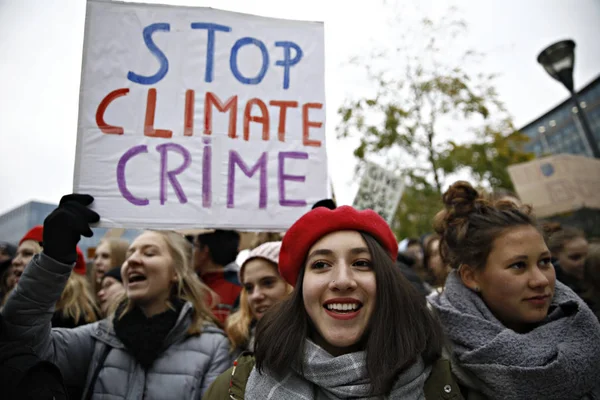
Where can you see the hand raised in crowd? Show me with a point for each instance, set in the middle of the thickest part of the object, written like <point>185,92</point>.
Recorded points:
<point>65,225</point>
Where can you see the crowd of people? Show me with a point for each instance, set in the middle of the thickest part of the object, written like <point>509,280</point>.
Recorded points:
<point>489,305</point>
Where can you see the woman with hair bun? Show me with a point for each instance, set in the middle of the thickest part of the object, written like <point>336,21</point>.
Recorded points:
<point>516,332</point>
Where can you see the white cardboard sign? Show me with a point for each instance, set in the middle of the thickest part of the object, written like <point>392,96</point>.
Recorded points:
<point>196,117</point>
<point>380,190</point>
<point>558,184</point>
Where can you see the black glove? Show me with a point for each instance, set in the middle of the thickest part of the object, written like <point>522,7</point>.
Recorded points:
<point>65,225</point>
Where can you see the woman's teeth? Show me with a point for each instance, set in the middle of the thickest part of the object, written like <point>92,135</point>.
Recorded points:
<point>342,306</point>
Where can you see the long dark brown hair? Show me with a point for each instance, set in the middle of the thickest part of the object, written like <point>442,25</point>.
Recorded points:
<point>400,330</point>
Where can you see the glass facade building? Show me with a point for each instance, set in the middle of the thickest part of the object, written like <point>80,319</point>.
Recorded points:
<point>14,225</point>
<point>560,131</point>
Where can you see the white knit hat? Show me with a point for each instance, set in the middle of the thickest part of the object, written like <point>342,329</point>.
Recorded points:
<point>268,251</point>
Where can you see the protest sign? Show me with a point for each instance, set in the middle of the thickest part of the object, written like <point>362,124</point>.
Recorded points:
<point>380,190</point>
<point>199,118</point>
<point>558,184</point>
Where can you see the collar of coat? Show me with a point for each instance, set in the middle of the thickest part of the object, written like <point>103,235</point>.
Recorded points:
<point>105,331</point>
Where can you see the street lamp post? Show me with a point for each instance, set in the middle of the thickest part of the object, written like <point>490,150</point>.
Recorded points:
<point>558,60</point>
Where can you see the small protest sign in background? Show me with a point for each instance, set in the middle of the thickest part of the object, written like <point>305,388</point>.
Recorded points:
<point>380,190</point>
<point>196,117</point>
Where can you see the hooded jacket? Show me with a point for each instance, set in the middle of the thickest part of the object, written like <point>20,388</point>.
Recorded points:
<point>184,370</point>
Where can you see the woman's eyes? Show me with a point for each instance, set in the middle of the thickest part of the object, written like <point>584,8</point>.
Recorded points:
<point>363,263</point>
<point>319,265</point>
<point>268,282</point>
<point>546,262</point>
<point>518,265</point>
<point>357,263</point>
<point>249,288</point>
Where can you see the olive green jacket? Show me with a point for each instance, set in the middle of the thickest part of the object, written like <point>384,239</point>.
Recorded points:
<point>231,384</point>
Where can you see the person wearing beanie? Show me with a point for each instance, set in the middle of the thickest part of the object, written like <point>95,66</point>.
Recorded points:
<point>353,327</point>
<point>7,251</point>
<point>262,287</point>
<point>29,245</point>
<point>111,290</point>
<point>76,305</point>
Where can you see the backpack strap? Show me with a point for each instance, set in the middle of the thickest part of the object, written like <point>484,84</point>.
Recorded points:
<point>242,367</point>
<point>89,390</point>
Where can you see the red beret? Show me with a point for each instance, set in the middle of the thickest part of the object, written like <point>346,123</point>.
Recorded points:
<point>321,221</point>
<point>36,234</point>
<point>80,263</point>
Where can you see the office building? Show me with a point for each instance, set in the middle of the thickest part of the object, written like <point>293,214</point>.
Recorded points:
<point>560,131</point>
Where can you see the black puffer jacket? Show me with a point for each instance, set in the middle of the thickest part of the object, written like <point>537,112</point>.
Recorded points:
<point>24,376</point>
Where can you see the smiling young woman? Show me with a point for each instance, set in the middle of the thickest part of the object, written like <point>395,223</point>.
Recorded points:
<point>353,327</point>
<point>161,343</point>
<point>517,332</point>
<point>262,287</point>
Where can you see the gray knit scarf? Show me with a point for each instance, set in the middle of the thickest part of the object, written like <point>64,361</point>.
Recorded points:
<point>343,377</point>
<point>559,359</point>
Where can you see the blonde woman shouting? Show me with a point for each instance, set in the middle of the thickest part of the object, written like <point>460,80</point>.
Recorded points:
<point>160,344</point>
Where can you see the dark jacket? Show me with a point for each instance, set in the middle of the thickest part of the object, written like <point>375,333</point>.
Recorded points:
<point>24,376</point>
<point>185,369</point>
<point>569,280</point>
<point>414,279</point>
<point>232,383</point>
<point>405,263</point>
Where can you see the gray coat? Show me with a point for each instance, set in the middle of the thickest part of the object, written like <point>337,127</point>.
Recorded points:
<point>184,370</point>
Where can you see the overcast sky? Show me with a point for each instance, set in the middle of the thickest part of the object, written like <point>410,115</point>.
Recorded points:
<point>40,65</point>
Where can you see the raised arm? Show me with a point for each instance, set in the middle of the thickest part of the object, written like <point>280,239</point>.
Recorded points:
<point>28,311</point>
